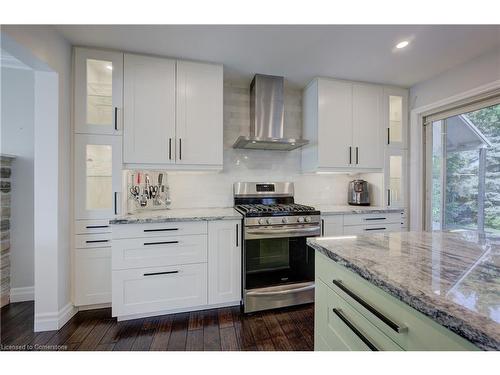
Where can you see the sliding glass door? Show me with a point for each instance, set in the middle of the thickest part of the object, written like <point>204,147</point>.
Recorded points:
<point>463,171</point>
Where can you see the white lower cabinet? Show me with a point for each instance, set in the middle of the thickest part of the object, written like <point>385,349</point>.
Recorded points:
<point>374,228</point>
<point>159,251</point>
<point>224,262</point>
<point>156,289</point>
<point>92,276</point>
<point>159,268</point>
<point>353,224</point>
<point>332,225</point>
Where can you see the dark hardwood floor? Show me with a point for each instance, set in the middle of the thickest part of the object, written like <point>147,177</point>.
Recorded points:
<point>218,329</point>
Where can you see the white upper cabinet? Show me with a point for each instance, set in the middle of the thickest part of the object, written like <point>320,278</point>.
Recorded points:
<point>98,176</point>
<point>367,112</point>
<point>149,110</point>
<point>396,116</point>
<point>98,91</point>
<point>173,113</point>
<point>343,122</point>
<point>199,113</point>
<point>334,123</point>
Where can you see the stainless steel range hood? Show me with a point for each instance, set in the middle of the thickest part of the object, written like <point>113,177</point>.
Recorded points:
<point>267,117</point>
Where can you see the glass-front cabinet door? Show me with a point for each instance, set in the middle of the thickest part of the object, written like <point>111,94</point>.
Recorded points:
<point>395,177</point>
<point>98,91</point>
<point>98,164</point>
<point>396,106</point>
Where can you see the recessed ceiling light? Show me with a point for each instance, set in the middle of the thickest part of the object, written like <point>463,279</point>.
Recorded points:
<point>402,44</point>
<point>110,67</point>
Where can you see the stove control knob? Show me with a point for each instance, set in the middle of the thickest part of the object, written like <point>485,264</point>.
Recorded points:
<point>261,221</point>
<point>300,219</point>
<point>308,219</point>
<point>269,221</point>
<point>284,220</point>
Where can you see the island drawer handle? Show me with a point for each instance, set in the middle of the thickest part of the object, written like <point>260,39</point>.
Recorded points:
<point>375,218</point>
<point>96,226</point>
<point>353,328</point>
<point>160,243</point>
<point>394,326</point>
<point>160,230</point>
<point>160,273</point>
<point>375,228</point>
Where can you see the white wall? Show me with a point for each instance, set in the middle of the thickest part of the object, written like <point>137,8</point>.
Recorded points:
<point>17,139</point>
<point>215,189</point>
<point>477,72</point>
<point>47,45</point>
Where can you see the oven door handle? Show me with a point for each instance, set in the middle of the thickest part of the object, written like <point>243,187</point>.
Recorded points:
<point>284,231</point>
<point>281,292</point>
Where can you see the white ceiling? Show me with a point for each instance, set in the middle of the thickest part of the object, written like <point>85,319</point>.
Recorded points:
<point>299,53</point>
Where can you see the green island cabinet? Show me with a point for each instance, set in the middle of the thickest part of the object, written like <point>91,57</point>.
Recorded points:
<point>353,314</point>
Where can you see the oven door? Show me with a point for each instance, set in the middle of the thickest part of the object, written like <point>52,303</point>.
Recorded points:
<point>278,255</point>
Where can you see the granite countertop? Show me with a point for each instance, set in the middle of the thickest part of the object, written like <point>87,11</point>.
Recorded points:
<point>347,209</point>
<point>178,214</point>
<point>454,278</point>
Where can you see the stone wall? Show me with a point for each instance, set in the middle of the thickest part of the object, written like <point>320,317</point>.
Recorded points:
<point>5,187</point>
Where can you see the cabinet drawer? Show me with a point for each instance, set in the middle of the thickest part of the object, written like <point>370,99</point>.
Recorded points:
<point>159,251</point>
<point>159,229</point>
<point>359,219</point>
<point>83,241</point>
<point>155,289</point>
<point>343,328</point>
<point>92,276</point>
<point>417,332</point>
<point>372,228</point>
<point>92,226</point>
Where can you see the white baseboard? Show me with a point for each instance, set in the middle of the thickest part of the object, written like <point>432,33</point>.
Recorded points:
<point>22,294</point>
<point>54,321</point>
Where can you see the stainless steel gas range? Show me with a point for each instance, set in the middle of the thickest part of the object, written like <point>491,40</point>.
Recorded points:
<point>278,266</point>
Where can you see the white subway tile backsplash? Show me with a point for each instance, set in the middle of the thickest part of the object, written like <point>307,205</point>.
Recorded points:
<point>215,189</point>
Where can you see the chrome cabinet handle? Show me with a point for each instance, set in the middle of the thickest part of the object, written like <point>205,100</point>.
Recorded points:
<point>116,203</point>
<point>170,149</point>
<point>283,231</point>
<point>388,136</point>
<point>160,243</point>
<point>375,228</point>
<point>180,148</point>
<point>322,227</point>
<point>96,226</point>
<point>388,197</point>
<point>375,218</point>
<point>237,234</point>
<point>160,273</point>
<point>116,118</point>
<point>96,241</point>
<point>389,322</point>
<point>160,230</point>
<point>353,328</point>
<point>350,154</point>
<point>282,292</point>
<point>357,155</point>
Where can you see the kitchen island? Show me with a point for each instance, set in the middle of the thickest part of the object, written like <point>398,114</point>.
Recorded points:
<point>407,291</point>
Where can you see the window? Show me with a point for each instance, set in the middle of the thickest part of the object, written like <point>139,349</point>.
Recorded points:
<point>463,170</point>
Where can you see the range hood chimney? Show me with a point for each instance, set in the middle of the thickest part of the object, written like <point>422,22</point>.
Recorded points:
<point>267,117</point>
